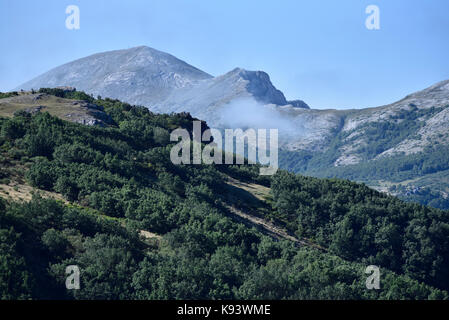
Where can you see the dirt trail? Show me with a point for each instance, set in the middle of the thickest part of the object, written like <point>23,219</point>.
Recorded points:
<point>149,235</point>
<point>23,192</point>
<point>259,191</point>
<point>262,193</point>
<point>270,229</point>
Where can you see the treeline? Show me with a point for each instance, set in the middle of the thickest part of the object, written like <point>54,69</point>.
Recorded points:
<point>119,180</point>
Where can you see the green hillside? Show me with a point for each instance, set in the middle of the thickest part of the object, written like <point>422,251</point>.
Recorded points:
<point>108,199</point>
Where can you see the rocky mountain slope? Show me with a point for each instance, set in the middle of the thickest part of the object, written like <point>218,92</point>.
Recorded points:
<point>141,75</point>
<point>433,127</point>
<point>400,148</point>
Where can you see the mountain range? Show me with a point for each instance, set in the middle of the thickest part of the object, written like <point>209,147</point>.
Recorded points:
<point>163,83</point>
<point>397,148</point>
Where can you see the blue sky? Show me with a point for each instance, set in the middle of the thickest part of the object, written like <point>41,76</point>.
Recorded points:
<point>319,51</point>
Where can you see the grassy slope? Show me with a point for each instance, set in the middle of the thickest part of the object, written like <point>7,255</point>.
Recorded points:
<point>66,109</point>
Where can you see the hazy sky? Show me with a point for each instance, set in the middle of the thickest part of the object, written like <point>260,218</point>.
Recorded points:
<point>319,51</point>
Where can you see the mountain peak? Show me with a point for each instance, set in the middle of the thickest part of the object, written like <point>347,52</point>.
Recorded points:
<point>257,84</point>
<point>126,74</point>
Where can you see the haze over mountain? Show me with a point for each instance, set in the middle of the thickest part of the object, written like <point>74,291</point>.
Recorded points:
<point>316,142</point>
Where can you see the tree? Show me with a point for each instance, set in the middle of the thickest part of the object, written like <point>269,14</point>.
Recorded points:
<point>55,242</point>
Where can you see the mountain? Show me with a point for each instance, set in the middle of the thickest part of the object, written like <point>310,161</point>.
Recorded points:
<point>163,83</point>
<point>401,148</point>
<point>429,107</point>
<point>215,92</point>
<point>140,75</point>
<point>405,138</point>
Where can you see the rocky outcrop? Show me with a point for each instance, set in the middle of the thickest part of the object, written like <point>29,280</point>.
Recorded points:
<point>298,104</point>
<point>70,110</point>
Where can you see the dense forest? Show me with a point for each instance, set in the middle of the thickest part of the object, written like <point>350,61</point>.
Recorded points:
<point>118,181</point>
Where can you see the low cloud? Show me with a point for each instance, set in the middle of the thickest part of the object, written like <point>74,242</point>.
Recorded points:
<point>248,113</point>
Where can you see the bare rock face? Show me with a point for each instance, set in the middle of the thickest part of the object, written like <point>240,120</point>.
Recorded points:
<point>434,126</point>
<point>298,104</point>
<point>34,110</point>
<point>89,114</point>
<point>260,86</point>
<point>134,75</point>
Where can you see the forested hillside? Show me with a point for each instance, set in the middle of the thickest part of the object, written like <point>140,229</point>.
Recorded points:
<point>140,227</point>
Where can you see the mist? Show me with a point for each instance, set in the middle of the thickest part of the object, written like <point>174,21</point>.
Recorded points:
<point>248,113</point>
